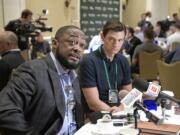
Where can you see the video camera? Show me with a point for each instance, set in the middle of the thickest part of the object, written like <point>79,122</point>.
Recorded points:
<point>165,24</point>
<point>33,27</point>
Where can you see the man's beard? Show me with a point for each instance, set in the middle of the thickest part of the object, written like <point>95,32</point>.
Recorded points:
<point>65,63</point>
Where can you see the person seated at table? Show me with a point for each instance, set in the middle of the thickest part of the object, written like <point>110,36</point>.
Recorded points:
<point>95,42</point>
<point>11,56</point>
<point>175,37</point>
<point>131,41</point>
<point>147,46</point>
<point>159,33</point>
<point>43,97</point>
<point>173,56</point>
<point>104,72</point>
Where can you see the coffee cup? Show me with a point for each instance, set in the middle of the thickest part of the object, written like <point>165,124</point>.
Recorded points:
<point>104,124</point>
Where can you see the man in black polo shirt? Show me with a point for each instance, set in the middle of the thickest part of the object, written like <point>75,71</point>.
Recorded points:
<point>105,72</point>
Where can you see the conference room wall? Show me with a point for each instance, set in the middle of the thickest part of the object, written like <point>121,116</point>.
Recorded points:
<point>160,9</point>
<point>174,7</point>
<point>134,8</point>
<point>59,14</point>
<point>1,16</point>
<point>10,9</point>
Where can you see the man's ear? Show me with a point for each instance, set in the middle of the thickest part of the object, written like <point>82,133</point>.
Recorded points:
<point>55,43</point>
<point>102,36</point>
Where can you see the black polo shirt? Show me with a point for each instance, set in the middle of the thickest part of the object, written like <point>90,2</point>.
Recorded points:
<point>92,72</point>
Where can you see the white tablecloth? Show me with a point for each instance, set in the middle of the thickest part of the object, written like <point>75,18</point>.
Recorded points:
<point>88,129</point>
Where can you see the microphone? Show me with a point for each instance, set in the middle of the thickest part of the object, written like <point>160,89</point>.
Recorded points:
<point>132,99</point>
<point>149,115</point>
<point>153,90</point>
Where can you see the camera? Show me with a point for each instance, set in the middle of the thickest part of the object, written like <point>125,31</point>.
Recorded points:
<point>29,28</point>
<point>21,28</point>
<point>34,26</point>
<point>165,24</point>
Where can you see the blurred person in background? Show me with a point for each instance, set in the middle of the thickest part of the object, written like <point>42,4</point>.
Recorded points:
<point>21,27</point>
<point>159,31</point>
<point>173,56</point>
<point>11,57</point>
<point>139,33</point>
<point>145,21</point>
<point>147,46</point>
<point>174,37</point>
<point>131,41</point>
<point>95,42</point>
<point>175,18</point>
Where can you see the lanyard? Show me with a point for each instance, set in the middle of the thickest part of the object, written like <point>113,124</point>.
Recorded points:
<point>107,75</point>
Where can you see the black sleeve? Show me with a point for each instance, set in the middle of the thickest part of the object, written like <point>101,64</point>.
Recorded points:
<point>4,73</point>
<point>126,71</point>
<point>169,57</point>
<point>48,48</point>
<point>10,26</point>
<point>14,102</point>
<point>87,73</point>
<point>136,52</point>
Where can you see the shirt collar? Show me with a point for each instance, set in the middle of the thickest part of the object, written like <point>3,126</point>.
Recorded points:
<point>148,41</point>
<point>103,55</point>
<point>61,70</point>
<point>12,50</point>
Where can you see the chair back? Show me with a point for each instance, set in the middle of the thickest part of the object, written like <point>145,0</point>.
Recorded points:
<point>170,77</point>
<point>147,65</point>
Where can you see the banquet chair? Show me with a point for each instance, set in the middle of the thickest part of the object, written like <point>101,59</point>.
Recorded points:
<point>147,65</point>
<point>169,77</point>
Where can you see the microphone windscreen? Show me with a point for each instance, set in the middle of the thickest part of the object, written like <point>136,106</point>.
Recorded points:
<point>123,93</point>
<point>94,116</point>
<point>140,84</point>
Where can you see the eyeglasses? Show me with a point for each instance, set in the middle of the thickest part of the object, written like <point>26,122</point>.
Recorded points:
<point>75,42</point>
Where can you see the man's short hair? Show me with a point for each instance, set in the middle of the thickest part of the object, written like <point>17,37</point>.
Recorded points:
<point>174,15</point>
<point>130,30</point>
<point>113,25</point>
<point>149,33</point>
<point>148,13</point>
<point>61,31</point>
<point>25,13</point>
<point>8,37</point>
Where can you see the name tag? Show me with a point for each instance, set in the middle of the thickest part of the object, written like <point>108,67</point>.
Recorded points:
<point>113,96</point>
<point>72,128</point>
